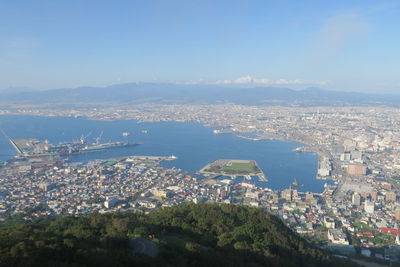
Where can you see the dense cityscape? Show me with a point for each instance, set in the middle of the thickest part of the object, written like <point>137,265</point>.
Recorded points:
<point>358,148</point>
<point>200,133</point>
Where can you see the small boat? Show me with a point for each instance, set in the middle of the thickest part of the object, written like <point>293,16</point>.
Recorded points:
<point>299,149</point>
<point>126,134</point>
<point>144,131</point>
<point>295,183</point>
<point>172,157</point>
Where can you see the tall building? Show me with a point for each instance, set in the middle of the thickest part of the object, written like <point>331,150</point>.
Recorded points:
<point>356,199</point>
<point>287,194</point>
<point>391,196</point>
<point>369,206</point>
<point>110,202</point>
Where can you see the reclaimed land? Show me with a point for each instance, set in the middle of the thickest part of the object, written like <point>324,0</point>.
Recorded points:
<point>233,167</point>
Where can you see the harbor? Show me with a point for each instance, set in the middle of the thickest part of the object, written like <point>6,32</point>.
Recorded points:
<point>193,144</point>
<point>32,147</point>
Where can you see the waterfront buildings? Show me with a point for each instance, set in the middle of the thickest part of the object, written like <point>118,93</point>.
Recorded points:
<point>358,148</point>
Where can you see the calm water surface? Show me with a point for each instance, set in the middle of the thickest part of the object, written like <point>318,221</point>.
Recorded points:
<point>193,144</point>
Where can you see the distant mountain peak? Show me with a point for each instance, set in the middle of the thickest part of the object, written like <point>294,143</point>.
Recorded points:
<point>169,93</point>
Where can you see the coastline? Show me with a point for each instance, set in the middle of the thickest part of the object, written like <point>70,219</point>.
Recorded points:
<point>280,174</point>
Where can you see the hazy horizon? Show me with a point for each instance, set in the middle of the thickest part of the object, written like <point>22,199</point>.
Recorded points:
<point>196,86</point>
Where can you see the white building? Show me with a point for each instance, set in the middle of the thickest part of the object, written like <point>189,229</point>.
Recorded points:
<point>110,202</point>
<point>329,223</point>
<point>337,236</point>
<point>356,199</point>
<point>369,206</point>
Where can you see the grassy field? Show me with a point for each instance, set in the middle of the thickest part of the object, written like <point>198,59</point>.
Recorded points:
<point>233,167</point>
<point>247,167</point>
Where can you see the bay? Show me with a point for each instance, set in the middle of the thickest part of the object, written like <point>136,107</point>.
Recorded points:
<point>193,144</point>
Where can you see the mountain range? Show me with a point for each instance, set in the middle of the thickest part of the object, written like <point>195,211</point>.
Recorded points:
<point>168,93</point>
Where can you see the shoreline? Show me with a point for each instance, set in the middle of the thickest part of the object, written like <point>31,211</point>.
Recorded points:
<point>275,138</point>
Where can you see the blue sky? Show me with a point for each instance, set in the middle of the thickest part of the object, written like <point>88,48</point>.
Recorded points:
<point>341,45</point>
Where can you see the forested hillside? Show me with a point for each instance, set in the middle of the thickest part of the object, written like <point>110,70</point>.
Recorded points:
<point>186,235</point>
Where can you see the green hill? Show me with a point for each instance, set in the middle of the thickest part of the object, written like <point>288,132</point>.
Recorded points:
<point>186,235</point>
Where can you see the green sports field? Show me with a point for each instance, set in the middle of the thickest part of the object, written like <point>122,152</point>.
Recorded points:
<point>245,167</point>
<point>232,167</point>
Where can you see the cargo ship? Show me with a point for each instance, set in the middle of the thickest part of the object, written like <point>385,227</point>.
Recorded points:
<point>84,147</point>
<point>103,146</point>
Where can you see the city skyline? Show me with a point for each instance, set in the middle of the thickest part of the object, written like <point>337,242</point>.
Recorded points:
<point>342,46</point>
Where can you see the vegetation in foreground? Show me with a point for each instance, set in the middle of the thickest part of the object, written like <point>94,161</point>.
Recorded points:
<point>186,235</point>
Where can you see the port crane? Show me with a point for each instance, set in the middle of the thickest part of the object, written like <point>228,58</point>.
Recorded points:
<point>99,137</point>
<point>83,137</point>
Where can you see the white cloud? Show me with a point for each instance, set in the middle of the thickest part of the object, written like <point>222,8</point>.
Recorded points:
<point>240,80</point>
<point>248,80</point>
<point>243,80</point>
<point>285,82</point>
<point>265,81</point>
